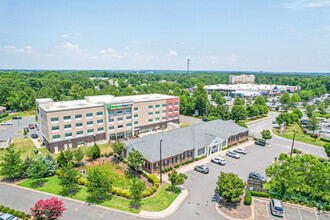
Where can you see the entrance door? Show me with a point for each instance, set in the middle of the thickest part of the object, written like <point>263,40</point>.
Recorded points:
<point>65,147</point>
<point>70,145</point>
<point>56,149</point>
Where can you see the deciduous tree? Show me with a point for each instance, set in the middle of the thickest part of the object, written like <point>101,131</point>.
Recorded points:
<point>135,159</point>
<point>176,178</point>
<point>266,135</point>
<point>136,190</point>
<point>69,179</point>
<point>98,182</point>
<point>238,112</point>
<point>230,187</point>
<point>118,147</point>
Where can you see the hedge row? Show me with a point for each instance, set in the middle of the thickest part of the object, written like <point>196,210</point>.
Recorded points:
<point>167,169</point>
<point>324,139</point>
<point>260,194</point>
<point>108,154</point>
<point>14,212</point>
<point>243,140</point>
<point>248,198</point>
<point>183,163</point>
<point>301,127</point>
<point>4,114</point>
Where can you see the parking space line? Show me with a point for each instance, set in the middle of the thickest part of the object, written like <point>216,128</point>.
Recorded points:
<point>300,214</point>
<point>316,215</point>
<point>78,207</point>
<point>103,214</point>
<point>267,210</point>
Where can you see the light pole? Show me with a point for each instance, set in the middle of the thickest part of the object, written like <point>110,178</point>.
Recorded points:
<point>320,129</point>
<point>294,135</point>
<point>160,160</point>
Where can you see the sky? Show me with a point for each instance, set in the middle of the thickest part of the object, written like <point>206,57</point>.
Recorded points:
<point>236,35</point>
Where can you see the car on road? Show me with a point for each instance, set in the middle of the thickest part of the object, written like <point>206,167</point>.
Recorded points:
<point>324,131</point>
<point>274,122</point>
<point>7,216</point>
<point>276,207</point>
<point>16,117</point>
<point>218,160</point>
<point>26,129</point>
<point>202,169</point>
<point>7,123</point>
<point>257,176</point>
<point>34,136</point>
<point>233,154</point>
<point>31,126</point>
<point>260,142</point>
<point>240,151</point>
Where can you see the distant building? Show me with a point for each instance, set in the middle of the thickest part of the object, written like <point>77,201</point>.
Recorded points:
<point>2,110</point>
<point>241,79</point>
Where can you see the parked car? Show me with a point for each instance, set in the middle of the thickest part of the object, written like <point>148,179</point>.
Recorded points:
<point>34,136</point>
<point>274,122</point>
<point>260,142</point>
<point>7,216</point>
<point>7,123</point>
<point>240,151</point>
<point>205,119</point>
<point>26,129</point>
<point>31,126</point>
<point>233,154</point>
<point>218,160</point>
<point>257,176</point>
<point>324,131</point>
<point>202,169</point>
<point>16,117</point>
<point>276,207</point>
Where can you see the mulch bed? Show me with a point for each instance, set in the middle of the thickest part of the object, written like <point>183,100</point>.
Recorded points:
<point>235,210</point>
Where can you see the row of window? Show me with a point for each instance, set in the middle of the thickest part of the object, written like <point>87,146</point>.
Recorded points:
<point>120,112</point>
<point>78,133</point>
<point>170,105</point>
<point>77,117</point>
<point>128,125</point>
<point>78,125</point>
<point>175,159</point>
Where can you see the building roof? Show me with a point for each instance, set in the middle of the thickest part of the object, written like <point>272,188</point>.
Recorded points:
<point>2,108</point>
<point>256,87</point>
<point>179,140</point>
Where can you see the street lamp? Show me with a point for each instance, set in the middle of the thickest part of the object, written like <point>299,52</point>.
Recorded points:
<point>294,135</point>
<point>160,160</point>
<point>320,129</point>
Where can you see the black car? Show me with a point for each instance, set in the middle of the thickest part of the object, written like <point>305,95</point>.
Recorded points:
<point>16,117</point>
<point>34,136</point>
<point>257,176</point>
<point>260,142</point>
<point>202,169</point>
<point>205,119</point>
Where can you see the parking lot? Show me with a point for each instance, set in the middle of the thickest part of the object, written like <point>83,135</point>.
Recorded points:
<point>262,212</point>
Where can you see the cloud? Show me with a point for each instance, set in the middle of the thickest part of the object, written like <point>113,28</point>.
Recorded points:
<point>65,35</point>
<point>111,52</point>
<point>144,58</point>
<point>28,50</point>
<point>77,34</point>
<point>232,58</point>
<point>172,53</point>
<point>71,48</point>
<point>126,48</point>
<point>210,58</point>
<point>299,4</point>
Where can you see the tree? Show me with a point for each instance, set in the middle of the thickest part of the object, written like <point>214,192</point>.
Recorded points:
<point>98,182</point>
<point>200,98</point>
<point>266,135</point>
<point>238,112</point>
<point>259,101</point>
<point>309,110</point>
<point>118,147</point>
<point>61,160</point>
<point>176,179</point>
<point>239,101</point>
<point>222,93</point>
<point>11,164</point>
<point>50,164</point>
<point>285,97</point>
<point>37,170</point>
<point>262,109</point>
<point>252,111</point>
<point>295,98</point>
<point>313,124</point>
<point>68,155</point>
<point>25,166</point>
<point>69,179</point>
<point>135,159</point>
<point>327,149</point>
<point>76,91</point>
<point>136,190</point>
<point>214,94</point>
<point>298,113</point>
<point>222,111</point>
<point>219,99</point>
<point>48,209</point>
<point>283,117</point>
<point>230,187</point>
<point>94,151</point>
<point>78,154</point>
<point>25,133</point>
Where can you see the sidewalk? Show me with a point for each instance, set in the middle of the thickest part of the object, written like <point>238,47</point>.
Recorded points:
<point>36,142</point>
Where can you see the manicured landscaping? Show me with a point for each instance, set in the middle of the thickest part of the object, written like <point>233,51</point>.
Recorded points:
<point>160,201</point>
<point>300,136</point>
<point>19,114</point>
<point>255,118</point>
<point>184,124</point>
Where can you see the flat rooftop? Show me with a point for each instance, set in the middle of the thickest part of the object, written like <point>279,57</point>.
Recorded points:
<point>245,86</point>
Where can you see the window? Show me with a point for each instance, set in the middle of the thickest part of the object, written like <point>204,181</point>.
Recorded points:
<point>67,135</point>
<point>55,128</point>
<point>150,114</point>
<point>128,117</point>
<point>78,125</point>
<point>128,111</point>
<point>79,133</point>
<point>176,116</point>
<point>176,104</point>
<point>89,115</point>
<point>67,118</point>
<point>78,117</point>
<point>89,131</point>
<point>111,128</point>
<point>99,122</point>
<point>170,117</point>
<point>174,160</point>
<point>136,116</point>
<point>56,137</point>
<point>67,127</point>
<point>120,126</point>
<point>119,112</point>
<point>111,120</point>
<point>176,110</point>
<point>164,111</point>
<point>157,106</point>
<point>200,151</point>
<point>170,111</point>
<point>136,123</point>
<point>150,107</point>
<point>80,143</point>
<point>150,120</point>
<point>164,118</point>
<point>164,105</point>
<point>157,119</point>
<point>54,120</point>
<point>120,119</point>
<point>136,109</point>
<point>100,129</point>
<point>157,112</point>
<point>170,105</point>
<point>156,165</point>
<point>129,125</point>
<point>99,114</point>
<point>110,113</point>
<point>89,123</point>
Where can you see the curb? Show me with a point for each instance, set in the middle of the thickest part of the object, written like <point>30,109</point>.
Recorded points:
<point>250,122</point>
<point>229,217</point>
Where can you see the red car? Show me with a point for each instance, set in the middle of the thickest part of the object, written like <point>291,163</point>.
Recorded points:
<point>31,126</point>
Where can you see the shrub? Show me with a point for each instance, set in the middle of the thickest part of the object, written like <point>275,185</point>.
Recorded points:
<point>126,194</point>
<point>15,213</point>
<point>283,199</point>
<point>11,211</point>
<point>248,198</point>
<point>260,194</point>
<point>156,184</point>
<point>102,155</point>
<point>290,201</point>
<point>21,214</point>
<point>315,136</point>
<point>1,207</point>
<point>82,181</point>
<point>58,172</point>
<point>146,194</point>
<point>176,165</point>
<point>27,216</point>
<point>327,207</point>
<point>5,209</point>
<point>199,158</point>
<point>324,139</point>
<point>305,131</point>
<point>296,201</point>
<point>310,205</point>
<point>296,151</point>
<point>302,203</point>
<point>111,154</point>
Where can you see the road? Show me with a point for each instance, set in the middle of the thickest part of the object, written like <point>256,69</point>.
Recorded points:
<point>200,186</point>
<point>10,131</point>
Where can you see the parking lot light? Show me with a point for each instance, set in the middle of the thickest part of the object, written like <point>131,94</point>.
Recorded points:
<point>294,135</point>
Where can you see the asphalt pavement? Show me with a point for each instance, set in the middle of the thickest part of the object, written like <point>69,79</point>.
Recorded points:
<point>10,131</point>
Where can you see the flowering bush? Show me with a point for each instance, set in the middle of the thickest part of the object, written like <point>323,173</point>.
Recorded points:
<point>315,136</point>
<point>305,131</point>
<point>48,209</point>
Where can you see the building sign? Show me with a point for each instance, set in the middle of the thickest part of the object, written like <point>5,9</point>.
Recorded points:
<point>275,89</point>
<point>118,106</point>
<point>38,108</point>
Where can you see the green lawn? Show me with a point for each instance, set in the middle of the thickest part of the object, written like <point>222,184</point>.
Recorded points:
<point>184,124</point>
<point>105,148</point>
<point>300,136</point>
<point>160,201</point>
<point>18,114</point>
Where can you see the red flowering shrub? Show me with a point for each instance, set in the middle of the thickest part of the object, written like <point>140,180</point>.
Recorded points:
<point>315,136</point>
<point>305,131</point>
<point>48,209</point>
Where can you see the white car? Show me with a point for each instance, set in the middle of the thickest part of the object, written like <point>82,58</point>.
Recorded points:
<point>7,216</point>
<point>324,131</point>
<point>240,150</point>
<point>218,160</point>
<point>7,123</point>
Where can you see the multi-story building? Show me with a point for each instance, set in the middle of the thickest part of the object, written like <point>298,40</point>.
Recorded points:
<point>103,118</point>
<point>241,79</point>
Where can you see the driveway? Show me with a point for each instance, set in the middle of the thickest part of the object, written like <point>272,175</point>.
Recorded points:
<point>191,120</point>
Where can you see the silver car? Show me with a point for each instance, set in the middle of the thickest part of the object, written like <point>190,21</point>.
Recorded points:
<point>276,207</point>
<point>7,216</point>
<point>240,150</point>
<point>233,154</point>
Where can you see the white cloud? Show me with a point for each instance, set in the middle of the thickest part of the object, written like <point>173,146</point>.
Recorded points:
<point>77,34</point>
<point>172,53</point>
<point>71,48</point>
<point>299,4</point>
<point>111,52</point>
<point>144,58</point>
<point>28,50</point>
<point>64,35</point>
<point>126,48</point>
<point>49,55</point>
<point>232,58</point>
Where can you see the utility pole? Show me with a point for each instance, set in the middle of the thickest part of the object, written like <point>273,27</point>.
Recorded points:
<point>188,60</point>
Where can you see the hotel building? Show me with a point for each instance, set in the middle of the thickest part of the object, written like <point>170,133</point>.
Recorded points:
<point>103,118</point>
